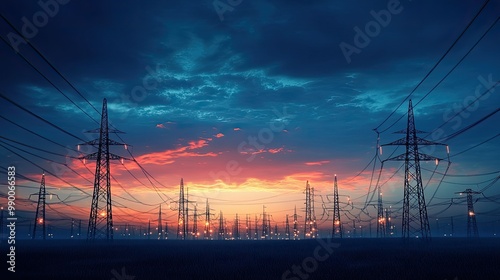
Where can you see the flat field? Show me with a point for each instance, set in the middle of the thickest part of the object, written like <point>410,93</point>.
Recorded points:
<point>364,258</point>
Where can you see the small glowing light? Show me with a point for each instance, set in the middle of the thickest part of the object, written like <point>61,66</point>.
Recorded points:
<point>78,147</point>
<point>103,214</point>
<point>84,161</point>
<point>121,160</point>
<point>437,161</point>
<point>40,221</point>
<point>471,213</point>
<point>126,147</point>
<point>448,149</point>
<point>380,150</point>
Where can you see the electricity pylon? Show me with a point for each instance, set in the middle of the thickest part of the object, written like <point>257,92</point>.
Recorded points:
<point>415,221</point>
<point>195,223</point>
<point>287,228</point>
<point>295,224</point>
<point>160,231</point>
<point>381,222</point>
<point>101,216</point>
<point>472,231</point>
<point>40,209</point>
<point>256,234</point>
<point>236,230</point>
<point>208,230</point>
<point>310,226</point>
<point>182,219</point>
<point>336,224</point>
<point>221,227</point>
<point>265,224</point>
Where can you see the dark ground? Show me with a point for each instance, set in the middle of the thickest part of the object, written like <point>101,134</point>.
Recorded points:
<point>452,258</point>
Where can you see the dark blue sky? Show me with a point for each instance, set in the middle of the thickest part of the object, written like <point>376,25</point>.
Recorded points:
<point>190,89</point>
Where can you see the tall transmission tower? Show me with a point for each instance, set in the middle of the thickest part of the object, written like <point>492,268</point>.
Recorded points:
<point>265,224</point>
<point>182,221</point>
<point>337,224</point>
<point>287,228</point>
<point>313,215</point>
<point>160,230</point>
<point>221,226</point>
<point>40,209</point>
<point>381,221</point>
<point>472,231</point>
<point>248,232</point>
<point>415,222</point>
<point>101,216</point>
<point>295,224</point>
<point>310,226</point>
<point>256,234</point>
<point>195,223</point>
<point>208,230</point>
<point>236,231</point>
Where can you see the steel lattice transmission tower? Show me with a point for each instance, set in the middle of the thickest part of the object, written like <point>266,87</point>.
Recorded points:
<point>160,230</point>
<point>101,216</point>
<point>182,219</point>
<point>472,231</point>
<point>287,228</point>
<point>195,223</point>
<point>40,209</point>
<point>415,221</point>
<point>208,231</point>
<point>295,224</point>
<point>310,226</point>
<point>381,222</point>
<point>336,224</point>
<point>221,227</point>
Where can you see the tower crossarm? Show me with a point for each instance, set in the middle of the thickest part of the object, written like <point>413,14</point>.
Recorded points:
<point>418,141</point>
<point>421,157</point>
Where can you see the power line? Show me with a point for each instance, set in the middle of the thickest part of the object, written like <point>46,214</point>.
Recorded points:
<point>432,69</point>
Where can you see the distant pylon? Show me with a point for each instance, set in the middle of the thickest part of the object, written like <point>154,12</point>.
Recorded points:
<point>71,235</point>
<point>195,223</point>
<point>313,215</point>
<point>256,234</point>
<point>236,231</point>
<point>265,224</point>
<point>381,222</point>
<point>160,230</point>
<point>182,221</point>
<point>388,226</point>
<point>80,229</point>
<point>287,228</point>
<point>472,231</point>
<point>221,227</point>
<point>310,219</point>
<point>295,224</point>
<point>248,232</point>
<point>149,229</point>
<point>337,224</point>
<point>40,209</point>
<point>208,231</point>
<point>101,216</point>
<point>415,222</point>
